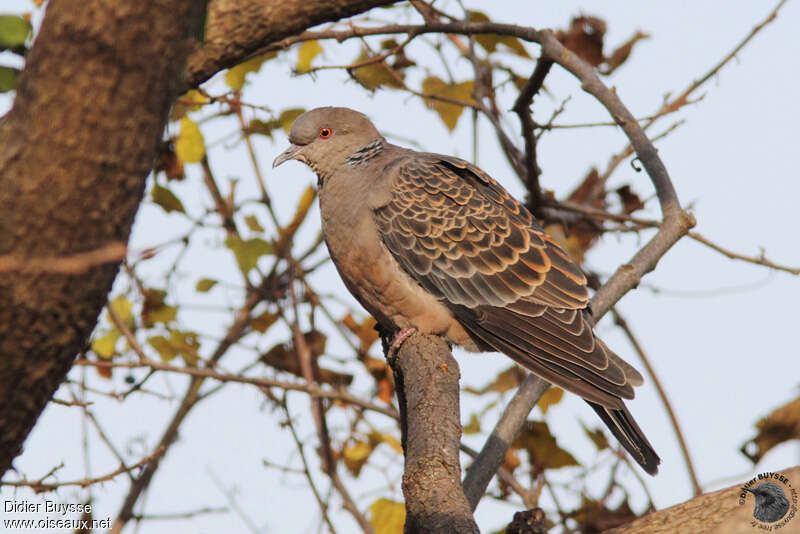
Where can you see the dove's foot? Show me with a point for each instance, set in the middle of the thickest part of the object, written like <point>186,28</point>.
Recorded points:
<point>398,340</point>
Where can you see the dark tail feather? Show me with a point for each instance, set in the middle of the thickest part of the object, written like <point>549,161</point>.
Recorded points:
<point>628,433</point>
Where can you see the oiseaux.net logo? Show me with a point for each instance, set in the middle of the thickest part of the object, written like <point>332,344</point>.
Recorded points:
<point>773,499</point>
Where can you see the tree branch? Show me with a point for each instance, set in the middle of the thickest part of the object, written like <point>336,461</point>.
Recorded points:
<point>522,107</point>
<point>73,166</point>
<point>427,377</point>
<point>235,30</point>
<point>713,513</point>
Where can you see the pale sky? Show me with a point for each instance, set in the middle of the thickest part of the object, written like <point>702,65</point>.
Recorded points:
<point>721,334</point>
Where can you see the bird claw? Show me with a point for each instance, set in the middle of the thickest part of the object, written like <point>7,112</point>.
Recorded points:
<point>398,340</point>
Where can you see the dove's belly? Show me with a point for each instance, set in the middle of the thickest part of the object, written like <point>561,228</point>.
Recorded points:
<point>380,284</point>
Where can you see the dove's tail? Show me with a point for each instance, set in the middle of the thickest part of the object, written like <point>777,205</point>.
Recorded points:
<point>628,433</point>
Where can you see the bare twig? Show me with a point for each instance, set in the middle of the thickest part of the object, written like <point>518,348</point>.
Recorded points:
<point>758,260</point>
<point>38,486</point>
<point>480,473</point>
<point>623,324</point>
<point>673,105</point>
<point>339,395</point>
<point>306,471</point>
<point>522,107</point>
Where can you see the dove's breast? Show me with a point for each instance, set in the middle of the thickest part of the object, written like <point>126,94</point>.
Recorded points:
<point>376,280</point>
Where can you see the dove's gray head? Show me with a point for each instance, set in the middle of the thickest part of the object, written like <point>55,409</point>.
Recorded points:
<point>326,138</point>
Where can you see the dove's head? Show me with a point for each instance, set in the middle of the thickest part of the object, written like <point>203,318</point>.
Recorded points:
<point>325,138</point>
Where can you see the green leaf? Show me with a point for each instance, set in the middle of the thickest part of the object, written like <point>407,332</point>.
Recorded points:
<point>204,285</point>
<point>166,199</point>
<point>235,77</point>
<point>13,31</point>
<point>387,516</point>
<point>247,251</point>
<point>190,146</point>
<point>8,79</point>
<point>447,111</point>
<point>252,222</point>
<point>306,54</point>
<point>105,345</point>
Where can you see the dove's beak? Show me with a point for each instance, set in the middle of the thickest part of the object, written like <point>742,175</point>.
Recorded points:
<point>289,153</point>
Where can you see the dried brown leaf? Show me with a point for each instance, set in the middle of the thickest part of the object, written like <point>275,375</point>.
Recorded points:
<point>782,425</point>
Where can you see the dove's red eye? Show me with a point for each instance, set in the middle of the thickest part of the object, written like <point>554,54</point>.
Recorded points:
<point>324,133</point>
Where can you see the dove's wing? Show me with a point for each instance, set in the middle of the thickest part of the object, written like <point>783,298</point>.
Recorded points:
<point>466,240</point>
<point>463,238</point>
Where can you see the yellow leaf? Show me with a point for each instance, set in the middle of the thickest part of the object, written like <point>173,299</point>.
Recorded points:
<point>374,75</point>
<point>473,426</point>
<point>393,442</point>
<point>105,345</point>
<point>123,307</point>
<point>387,516</point>
<point>306,54</point>
<point>192,100</point>
<point>164,348</point>
<point>236,75</point>
<point>185,344</point>
<point>287,117</point>
<point>303,205</point>
<point>449,112</point>
<point>164,314</point>
<point>190,146</point>
<point>550,397</point>
<point>489,41</point>
<point>204,285</point>
<point>166,199</point>
<point>356,455</point>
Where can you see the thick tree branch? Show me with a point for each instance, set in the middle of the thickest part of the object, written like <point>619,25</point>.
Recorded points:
<point>713,513</point>
<point>235,30</point>
<point>73,161</point>
<point>427,377</point>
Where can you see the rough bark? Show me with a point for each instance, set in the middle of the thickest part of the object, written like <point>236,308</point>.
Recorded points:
<point>713,513</point>
<point>74,153</point>
<point>427,377</point>
<point>237,29</point>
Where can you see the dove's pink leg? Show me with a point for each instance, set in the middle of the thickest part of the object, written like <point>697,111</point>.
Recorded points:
<point>399,338</point>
